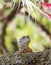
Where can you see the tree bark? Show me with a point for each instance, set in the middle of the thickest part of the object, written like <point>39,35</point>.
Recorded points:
<point>37,58</point>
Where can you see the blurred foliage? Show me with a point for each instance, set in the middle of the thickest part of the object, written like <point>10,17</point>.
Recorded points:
<point>22,25</point>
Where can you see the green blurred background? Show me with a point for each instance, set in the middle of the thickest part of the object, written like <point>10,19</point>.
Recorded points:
<point>35,26</point>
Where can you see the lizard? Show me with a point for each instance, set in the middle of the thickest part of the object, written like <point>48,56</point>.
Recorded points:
<point>23,44</point>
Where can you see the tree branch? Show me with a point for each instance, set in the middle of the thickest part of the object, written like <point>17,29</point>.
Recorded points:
<point>37,58</point>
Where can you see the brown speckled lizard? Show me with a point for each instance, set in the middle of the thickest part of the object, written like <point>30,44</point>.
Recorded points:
<point>23,44</point>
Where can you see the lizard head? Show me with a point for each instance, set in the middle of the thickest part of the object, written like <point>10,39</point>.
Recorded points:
<point>24,42</point>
